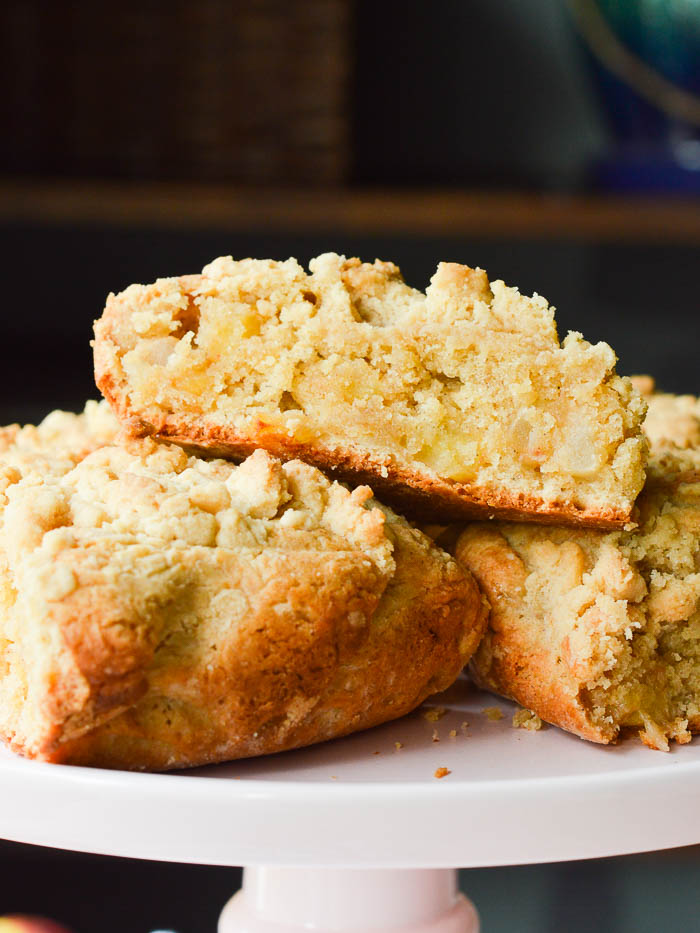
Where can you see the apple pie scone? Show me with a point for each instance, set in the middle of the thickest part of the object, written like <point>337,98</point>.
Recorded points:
<point>162,611</point>
<point>458,402</point>
<point>599,632</point>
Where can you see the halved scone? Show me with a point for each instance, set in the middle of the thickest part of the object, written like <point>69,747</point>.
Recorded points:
<point>162,611</point>
<point>459,402</point>
<point>599,632</point>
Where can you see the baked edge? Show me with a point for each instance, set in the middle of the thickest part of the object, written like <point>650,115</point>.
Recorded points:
<point>510,663</point>
<point>428,598</point>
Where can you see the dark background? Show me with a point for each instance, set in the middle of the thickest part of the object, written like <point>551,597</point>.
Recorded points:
<point>635,894</point>
<point>640,297</point>
<point>143,139</point>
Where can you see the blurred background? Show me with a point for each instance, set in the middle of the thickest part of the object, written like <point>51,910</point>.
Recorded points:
<point>556,144</point>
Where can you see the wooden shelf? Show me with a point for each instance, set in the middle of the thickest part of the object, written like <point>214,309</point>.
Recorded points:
<point>367,211</point>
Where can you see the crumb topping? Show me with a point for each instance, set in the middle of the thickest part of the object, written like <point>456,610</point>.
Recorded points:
<point>526,719</point>
<point>156,493</point>
<point>672,420</point>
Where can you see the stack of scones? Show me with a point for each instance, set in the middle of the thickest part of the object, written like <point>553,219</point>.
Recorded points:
<point>196,568</point>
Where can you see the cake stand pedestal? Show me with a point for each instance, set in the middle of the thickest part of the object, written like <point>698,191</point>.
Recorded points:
<point>296,900</point>
<point>360,834</point>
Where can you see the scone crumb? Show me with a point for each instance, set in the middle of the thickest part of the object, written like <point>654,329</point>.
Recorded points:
<point>652,735</point>
<point>376,753</point>
<point>398,745</point>
<point>680,732</point>
<point>493,713</point>
<point>656,737</point>
<point>453,733</point>
<point>526,719</point>
<point>442,772</point>
<point>464,726</point>
<point>436,737</point>
<point>434,714</point>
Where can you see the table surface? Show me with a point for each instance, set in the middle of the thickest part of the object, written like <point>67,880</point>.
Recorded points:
<point>373,800</point>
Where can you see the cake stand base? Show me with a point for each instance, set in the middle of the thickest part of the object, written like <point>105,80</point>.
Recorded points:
<point>334,900</point>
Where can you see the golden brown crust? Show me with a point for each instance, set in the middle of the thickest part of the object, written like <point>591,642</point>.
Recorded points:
<point>511,660</point>
<point>348,296</point>
<point>327,689</point>
<point>169,612</point>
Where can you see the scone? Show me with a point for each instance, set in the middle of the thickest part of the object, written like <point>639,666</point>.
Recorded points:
<point>459,402</point>
<point>599,632</point>
<point>161,611</point>
<point>672,420</point>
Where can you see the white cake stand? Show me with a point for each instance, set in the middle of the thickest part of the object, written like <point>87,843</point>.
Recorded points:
<point>359,834</point>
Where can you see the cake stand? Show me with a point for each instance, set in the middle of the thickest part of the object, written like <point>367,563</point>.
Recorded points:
<point>359,834</point>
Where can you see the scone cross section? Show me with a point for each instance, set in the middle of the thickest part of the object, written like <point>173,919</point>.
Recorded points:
<point>454,403</point>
